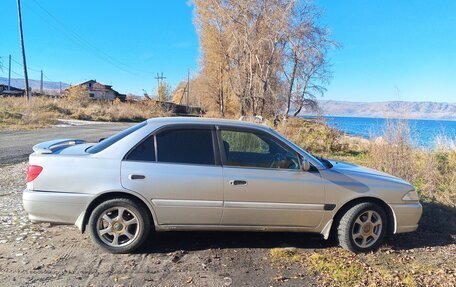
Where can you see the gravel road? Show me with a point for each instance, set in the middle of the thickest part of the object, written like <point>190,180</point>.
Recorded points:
<point>44,255</point>
<point>15,146</point>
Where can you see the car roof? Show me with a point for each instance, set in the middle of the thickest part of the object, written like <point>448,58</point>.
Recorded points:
<point>207,121</point>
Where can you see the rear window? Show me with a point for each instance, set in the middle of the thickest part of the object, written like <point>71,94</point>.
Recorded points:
<point>115,138</point>
<point>188,146</point>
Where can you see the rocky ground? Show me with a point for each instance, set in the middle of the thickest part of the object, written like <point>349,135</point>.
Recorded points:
<point>40,254</point>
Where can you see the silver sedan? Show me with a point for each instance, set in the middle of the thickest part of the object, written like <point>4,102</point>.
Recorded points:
<point>209,174</point>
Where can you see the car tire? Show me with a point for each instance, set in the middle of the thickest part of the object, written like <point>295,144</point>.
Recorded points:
<point>362,228</point>
<point>119,225</point>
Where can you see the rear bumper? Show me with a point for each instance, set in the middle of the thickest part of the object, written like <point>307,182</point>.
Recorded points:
<point>406,216</point>
<point>54,207</point>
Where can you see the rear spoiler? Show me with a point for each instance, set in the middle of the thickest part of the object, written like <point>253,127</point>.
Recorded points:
<point>51,146</point>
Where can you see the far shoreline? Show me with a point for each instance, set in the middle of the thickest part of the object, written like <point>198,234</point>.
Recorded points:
<point>374,117</point>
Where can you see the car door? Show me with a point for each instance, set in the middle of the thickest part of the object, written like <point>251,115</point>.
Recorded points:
<point>178,171</point>
<point>264,184</point>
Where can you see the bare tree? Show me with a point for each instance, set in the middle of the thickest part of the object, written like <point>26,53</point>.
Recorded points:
<point>259,56</point>
<point>211,26</point>
<point>305,67</point>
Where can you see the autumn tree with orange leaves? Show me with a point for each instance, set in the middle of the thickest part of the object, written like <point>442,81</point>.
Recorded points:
<point>260,57</point>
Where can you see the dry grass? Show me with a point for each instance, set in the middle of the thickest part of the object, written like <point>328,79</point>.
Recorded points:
<point>16,113</point>
<point>336,267</point>
<point>433,173</point>
<point>392,153</point>
<point>284,255</point>
<point>428,256</point>
<point>312,135</point>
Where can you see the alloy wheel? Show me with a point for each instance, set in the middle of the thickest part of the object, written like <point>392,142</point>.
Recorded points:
<point>367,229</point>
<point>118,226</point>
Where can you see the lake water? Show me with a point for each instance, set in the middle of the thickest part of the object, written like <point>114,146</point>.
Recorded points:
<point>424,133</point>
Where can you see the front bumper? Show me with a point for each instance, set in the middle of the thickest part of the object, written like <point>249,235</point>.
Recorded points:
<point>54,207</point>
<point>406,216</point>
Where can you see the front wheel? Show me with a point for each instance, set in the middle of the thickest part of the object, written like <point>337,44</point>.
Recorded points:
<point>119,225</point>
<point>362,228</point>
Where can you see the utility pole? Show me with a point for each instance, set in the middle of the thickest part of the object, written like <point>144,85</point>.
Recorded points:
<point>60,88</point>
<point>188,86</point>
<point>19,14</point>
<point>41,83</point>
<point>9,73</point>
<point>159,79</point>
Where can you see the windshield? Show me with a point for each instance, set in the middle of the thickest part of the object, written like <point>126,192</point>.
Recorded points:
<point>115,138</point>
<point>323,161</point>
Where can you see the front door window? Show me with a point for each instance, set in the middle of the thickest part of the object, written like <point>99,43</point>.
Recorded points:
<point>252,149</point>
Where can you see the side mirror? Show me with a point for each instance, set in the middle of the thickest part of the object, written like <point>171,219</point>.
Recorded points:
<point>305,165</point>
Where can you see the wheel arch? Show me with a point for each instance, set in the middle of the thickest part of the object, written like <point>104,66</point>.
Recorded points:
<point>115,194</point>
<point>391,220</point>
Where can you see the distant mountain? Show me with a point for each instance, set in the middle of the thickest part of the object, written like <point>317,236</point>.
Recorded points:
<point>391,109</point>
<point>34,84</point>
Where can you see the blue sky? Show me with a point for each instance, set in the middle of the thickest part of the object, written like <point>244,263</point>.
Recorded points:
<point>391,50</point>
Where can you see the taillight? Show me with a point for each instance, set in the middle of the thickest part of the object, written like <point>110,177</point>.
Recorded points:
<point>33,172</point>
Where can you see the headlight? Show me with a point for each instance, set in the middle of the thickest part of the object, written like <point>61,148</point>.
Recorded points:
<point>412,195</point>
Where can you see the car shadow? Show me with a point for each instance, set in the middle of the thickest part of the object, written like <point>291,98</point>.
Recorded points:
<point>437,227</point>
<point>166,242</point>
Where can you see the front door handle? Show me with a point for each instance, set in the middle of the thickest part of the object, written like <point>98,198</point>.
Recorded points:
<point>136,176</point>
<point>238,182</point>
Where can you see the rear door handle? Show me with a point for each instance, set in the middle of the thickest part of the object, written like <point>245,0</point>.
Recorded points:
<point>238,182</point>
<point>136,176</point>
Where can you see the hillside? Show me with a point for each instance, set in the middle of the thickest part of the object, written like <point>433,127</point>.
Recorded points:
<point>34,84</point>
<point>391,109</point>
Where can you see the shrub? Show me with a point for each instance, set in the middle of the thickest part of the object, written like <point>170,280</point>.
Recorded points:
<point>312,135</point>
<point>392,153</point>
<point>16,113</point>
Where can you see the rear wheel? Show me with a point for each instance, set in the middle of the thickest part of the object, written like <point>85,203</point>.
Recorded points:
<point>362,228</point>
<point>119,225</point>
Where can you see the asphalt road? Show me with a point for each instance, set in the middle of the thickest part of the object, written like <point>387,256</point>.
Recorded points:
<point>15,146</point>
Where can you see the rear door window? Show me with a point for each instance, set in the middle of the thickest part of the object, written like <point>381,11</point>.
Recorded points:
<point>145,151</point>
<point>186,146</point>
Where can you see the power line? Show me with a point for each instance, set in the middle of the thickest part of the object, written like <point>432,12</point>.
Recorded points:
<point>47,78</point>
<point>71,34</point>
<point>1,62</point>
<point>73,38</point>
<point>17,74</point>
<point>34,70</point>
<point>20,64</point>
<point>20,75</point>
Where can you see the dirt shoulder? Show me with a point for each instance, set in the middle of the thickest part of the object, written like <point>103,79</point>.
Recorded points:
<point>39,254</point>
